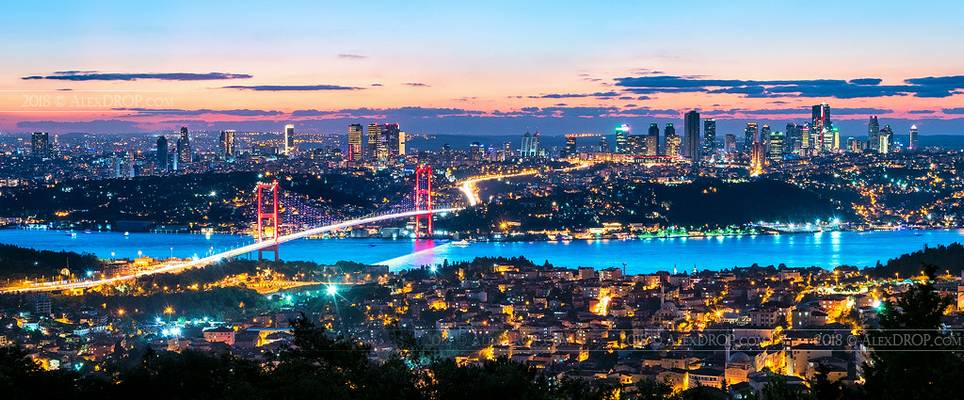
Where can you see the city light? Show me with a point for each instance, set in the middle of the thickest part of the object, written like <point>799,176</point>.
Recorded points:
<point>331,290</point>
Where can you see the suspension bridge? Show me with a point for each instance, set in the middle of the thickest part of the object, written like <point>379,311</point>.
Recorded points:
<point>269,227</point>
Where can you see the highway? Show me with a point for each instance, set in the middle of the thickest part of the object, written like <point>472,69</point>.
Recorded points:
<point>176,266</point>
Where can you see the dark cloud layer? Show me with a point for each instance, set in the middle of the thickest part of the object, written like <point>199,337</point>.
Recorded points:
<point>283,88</point>
<point>203,111</point>
<point>855,88</point>
<point>118,76</point>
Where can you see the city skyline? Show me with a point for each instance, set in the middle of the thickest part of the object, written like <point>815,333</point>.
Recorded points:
<point>555,68</point>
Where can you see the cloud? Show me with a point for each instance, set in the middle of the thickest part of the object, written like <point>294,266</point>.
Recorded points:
<point>202,111</point>
<point>836,88</point>
<point>282,88</point>
<point>348,56</point>
<point>921,112</point>
<point>958,110</point>
<point>416,84</point>
<point>377,85</point>
<point>574,95</point>
<point>118,76</point>
<point>100,125</point>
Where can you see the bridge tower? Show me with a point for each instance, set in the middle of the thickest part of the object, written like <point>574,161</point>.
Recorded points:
<point>268,216</point>
<point>423,201</point>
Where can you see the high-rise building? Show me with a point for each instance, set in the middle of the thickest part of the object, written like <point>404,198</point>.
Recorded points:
<point>391,140</point>
<point>636,145</point>
<point>530,145</point>
<point>652,142</point>
<point>691,128</point>
<point>757,160</point>
<point>355,143</point>
<point>885,140</point>
<point>820,117</point>
<point>289,145</point>
<point>621,143</point>
<point>401,143</point>
<point>375,148</point>
<point>750,134</point>
<point>912,141</point>
<point>729,144</point>
<point>40,144</point>
<point>776,146</point>
<point>603,146</point>
<point>764,139</point>
<point>162,154</point>
<point>709,138</point>
<point>183,147</point>
<point>570,149</point>
<point>805,142</point>
<point>873,134</point>
<point>672,140</point>
<point>793,143</point>
<point>227,143</point>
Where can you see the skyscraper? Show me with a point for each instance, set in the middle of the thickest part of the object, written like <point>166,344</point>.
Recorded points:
<point>776,146</point>
<point>227,143</point>
<point>289,145</point>
<point>40,144</point>
<point>912,142</point>
<point>764,138</point>
<point>355,142</point>
<point>530,145</point>
<point>709,138</point>
<point>885,140</point>
<point>570,149</point>
<point>691,128</point>
<point>749,136</point>
<point>729,144</point>
<point>672,141</point>
<point>183,148</point>
<point>873,134</point>
<point>391,137</point>
<point>375,148</point>
<point>652,140</point>
<point>621,143</point>
<point>162,154</point>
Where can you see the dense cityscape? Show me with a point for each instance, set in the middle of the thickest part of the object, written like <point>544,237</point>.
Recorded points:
<point>490,207</point>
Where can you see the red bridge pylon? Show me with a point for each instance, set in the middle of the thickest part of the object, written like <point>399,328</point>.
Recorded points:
<point>268,217</point>
<point>423,201</point>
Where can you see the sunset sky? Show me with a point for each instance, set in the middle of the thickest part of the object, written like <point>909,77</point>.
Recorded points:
<point>475,67</point>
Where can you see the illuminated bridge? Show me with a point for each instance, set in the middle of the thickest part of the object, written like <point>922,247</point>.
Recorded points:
<point>268,235</point>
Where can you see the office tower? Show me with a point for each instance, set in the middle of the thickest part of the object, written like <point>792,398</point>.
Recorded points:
<point>289,145</point>
<point>530,145</point>
<point>873,134</point>
<point>729,144</point>
<point>355,143</point>
<point>749,136</point>
<point>709,138</point>
<point>40,144</point>
<point>636,145</point>
<point>805,142</point>
<point>831,139</point>
<point>776,146</point>
<point>227,143</point>
<point>621,144</point>
<point>476,151</point>
<point>756,158</point>
<point>603,146</point>
<point>885,140</point>
<point>374,145</point>
<point>853,145</point>
<point>507,149</point>
<point>691,128</point>
<point>401,142</point>
<point>162,156</point>
<point>764,138</point>
<point>793,142</point>
<point>652,142</point>
<point>912,142</point>
<point>183,148</point>
<point>820,118</point>
<point>570,149</point>
<point>389,142</point>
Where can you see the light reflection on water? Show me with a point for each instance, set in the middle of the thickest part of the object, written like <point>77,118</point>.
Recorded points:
<point>827,249</point>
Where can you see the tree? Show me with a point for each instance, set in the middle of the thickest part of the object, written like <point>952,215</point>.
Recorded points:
<point>907,359</point>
